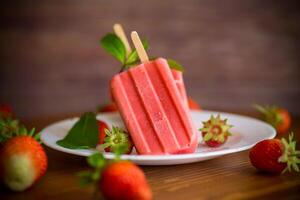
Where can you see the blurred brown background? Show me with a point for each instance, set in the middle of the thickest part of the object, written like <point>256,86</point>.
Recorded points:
<point>235,52</point>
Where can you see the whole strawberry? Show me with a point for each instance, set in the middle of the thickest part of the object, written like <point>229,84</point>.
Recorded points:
<point>124,180</point>
<point>110,107</point>
<point>275,156</point>
<point>278,117</point>
<point>22,162</point>
<point>101,127</point>
<point>215,131</point>
<point>193,105</point>
<point>116,179</point>
<point>110,140</point>
<point>5,111</point>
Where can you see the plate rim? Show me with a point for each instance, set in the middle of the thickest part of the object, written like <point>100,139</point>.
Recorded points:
<point>169,157</point>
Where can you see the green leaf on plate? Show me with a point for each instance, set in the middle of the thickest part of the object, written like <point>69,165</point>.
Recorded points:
<point>175,65</point>
<point>114,46</point>
<point>83,135</point>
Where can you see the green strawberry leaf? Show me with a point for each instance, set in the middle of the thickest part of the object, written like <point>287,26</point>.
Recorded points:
<point>96,160</point>
<point>133,56</point>
<point>83,135</point>
<point>114,46</point>
<point>175,65</point>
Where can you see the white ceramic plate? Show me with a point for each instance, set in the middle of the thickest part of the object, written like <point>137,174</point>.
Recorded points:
<point>246,132</point>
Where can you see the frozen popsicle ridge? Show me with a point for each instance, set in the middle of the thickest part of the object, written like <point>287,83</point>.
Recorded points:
<point>153,107</point>
<point>175,97</point>
<point>119,31</point>
<point>127,102</point>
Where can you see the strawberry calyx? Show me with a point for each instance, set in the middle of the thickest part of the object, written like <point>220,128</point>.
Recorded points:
<point>215,129</point>
<point>270,114</point>
<point>98,162</point>
<point>116,139</point>
<point>10,128</point>
<point>290,155</point>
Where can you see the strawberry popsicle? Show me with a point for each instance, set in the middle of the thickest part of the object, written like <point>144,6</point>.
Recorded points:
<point>119,31</point>
<point>152,109</point>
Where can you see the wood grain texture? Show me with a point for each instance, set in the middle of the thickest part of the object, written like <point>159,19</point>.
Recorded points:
<point>228,177</point>
<point>235,52</point>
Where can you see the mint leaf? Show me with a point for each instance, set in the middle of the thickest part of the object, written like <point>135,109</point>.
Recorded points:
<point>114,46</point>
<point>83,135</point>
<point>96,160</point>
<point>133,56</point>
<point>175,65</point>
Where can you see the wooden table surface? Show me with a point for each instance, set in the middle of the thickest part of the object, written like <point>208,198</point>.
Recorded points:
<point>226,177</point>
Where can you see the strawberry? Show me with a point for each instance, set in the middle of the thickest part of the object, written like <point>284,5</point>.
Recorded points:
<point>278,117</point>
<point>22,162</point>
<point>110,107</point>
<point>110,140</point>
<point>215,131</point>
<point>193,105</point>
<point>275,156</point>
<point>101,127</point>
<point>116,179</point>
<point>5,111</point>
<point>124,180</point>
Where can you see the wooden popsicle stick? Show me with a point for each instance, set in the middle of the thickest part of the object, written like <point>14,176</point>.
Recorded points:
<point>139,47</point>
<point>119,31</point>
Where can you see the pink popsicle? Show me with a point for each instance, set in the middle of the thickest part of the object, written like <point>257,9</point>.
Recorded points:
<point>152,109</point>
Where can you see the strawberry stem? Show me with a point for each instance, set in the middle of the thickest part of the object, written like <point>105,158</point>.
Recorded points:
<point>290,155</point>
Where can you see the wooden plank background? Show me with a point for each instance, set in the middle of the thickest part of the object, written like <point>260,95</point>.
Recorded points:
<point>235,52</point>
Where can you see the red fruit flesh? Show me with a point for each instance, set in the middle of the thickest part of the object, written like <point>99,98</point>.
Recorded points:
<point>193,105</point>
<point>215,143</point>
<point>265,154</point>
<point>124,180</point>
<point>23,161</point>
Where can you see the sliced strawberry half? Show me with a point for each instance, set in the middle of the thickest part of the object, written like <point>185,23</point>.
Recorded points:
<point>215,131</point>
